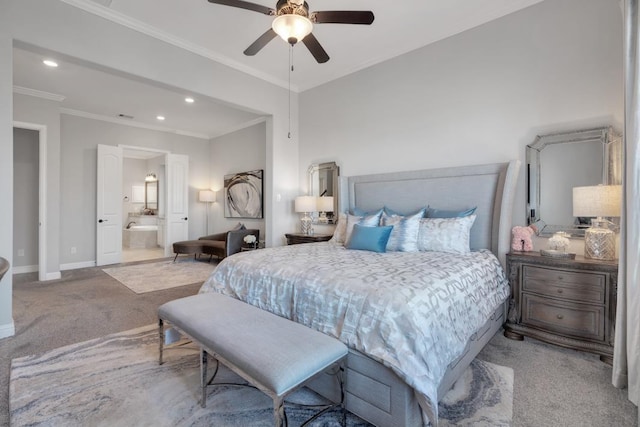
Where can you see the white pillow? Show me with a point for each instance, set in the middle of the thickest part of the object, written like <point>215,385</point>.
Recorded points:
<point>445,234</point>
<point>340,232</point>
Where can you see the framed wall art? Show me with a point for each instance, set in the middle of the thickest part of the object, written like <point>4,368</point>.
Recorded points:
<point>243,194</point>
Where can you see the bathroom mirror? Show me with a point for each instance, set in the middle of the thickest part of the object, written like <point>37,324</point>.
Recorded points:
<point>151,195</point>
<point>323,181</point>
<point>558,162</point>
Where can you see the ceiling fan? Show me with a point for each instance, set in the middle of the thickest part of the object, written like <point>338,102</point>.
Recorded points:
<point>294,23</point>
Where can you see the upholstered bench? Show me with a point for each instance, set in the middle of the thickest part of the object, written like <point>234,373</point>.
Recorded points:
<point>274,354</point>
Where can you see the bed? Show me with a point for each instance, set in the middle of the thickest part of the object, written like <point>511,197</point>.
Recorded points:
<point>413,320</point>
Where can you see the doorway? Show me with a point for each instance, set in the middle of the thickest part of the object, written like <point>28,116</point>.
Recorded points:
<point>30,198</point>
<point>143,185</point>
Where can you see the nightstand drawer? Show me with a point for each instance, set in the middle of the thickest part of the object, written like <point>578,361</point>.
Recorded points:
<point>578,320</point>
<point>568,285</point>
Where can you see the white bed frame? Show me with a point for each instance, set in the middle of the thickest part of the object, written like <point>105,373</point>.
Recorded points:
<point>373,391</point>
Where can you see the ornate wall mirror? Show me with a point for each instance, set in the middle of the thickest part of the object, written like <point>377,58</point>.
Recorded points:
<point>323,181</point>
<point>151,195</point>
<point>558,162</point>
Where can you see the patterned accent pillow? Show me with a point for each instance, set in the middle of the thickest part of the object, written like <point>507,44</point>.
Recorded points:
<point>367,221</point>
<point>404,237</point>
<point>445,234</point>
<point>340,232</point>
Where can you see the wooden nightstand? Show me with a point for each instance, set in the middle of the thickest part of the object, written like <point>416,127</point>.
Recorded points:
<point>568,302</point>
<point>297,238</point>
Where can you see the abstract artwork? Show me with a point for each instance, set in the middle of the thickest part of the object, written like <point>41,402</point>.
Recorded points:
<point>243,194</point>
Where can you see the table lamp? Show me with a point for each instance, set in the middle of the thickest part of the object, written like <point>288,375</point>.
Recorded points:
<point>305,205</point>
<point>325,204</point>
<point>598,201</point>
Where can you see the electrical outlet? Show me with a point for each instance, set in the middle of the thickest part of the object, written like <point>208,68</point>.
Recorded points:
<point>20,252</point>
<point>73,249</point>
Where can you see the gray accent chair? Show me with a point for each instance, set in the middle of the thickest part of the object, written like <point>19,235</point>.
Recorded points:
<point>225,244</point>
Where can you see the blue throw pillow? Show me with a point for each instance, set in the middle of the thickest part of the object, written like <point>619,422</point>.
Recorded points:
<point>369,238</point>
<point>361,212</point>
<point>442,213</point>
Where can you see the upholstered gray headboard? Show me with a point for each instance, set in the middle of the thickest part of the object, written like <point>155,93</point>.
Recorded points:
<point>490,188</point>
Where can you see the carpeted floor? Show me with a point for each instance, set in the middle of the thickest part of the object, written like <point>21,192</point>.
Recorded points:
<point>116,380</point>
<point>552,386</point>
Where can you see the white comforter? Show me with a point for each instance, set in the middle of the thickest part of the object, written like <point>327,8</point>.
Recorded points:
<point>413,312</point>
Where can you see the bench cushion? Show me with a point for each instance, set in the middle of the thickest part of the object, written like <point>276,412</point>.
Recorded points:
<point>278,353</point>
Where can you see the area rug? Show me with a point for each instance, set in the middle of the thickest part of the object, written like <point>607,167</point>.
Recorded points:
<point>141,278</point>
<point>116,381</point>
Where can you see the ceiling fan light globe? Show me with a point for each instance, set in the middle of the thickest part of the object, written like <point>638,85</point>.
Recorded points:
<point>292,27</point>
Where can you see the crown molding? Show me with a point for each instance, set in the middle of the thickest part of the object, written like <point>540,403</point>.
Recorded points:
<point>38,93</point>
<point>241,126</point>
<point>149,30</point>
<point>126,122</point>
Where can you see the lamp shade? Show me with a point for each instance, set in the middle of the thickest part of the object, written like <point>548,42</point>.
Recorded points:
<point>292,28</point>
<point>305,204</point>
<point>598,201</point>
<point>207,196</point>
<point>325,204</point>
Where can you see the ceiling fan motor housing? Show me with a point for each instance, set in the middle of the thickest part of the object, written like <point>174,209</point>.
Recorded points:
<point>292,7</point>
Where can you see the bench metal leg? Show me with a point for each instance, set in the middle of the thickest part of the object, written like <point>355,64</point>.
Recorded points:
<point>203,376</point>
<point>175,257</point>
<point>278,412</point>
<point>160,339</point>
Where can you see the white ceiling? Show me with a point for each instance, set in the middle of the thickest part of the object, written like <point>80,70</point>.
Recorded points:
<point>222,33</point>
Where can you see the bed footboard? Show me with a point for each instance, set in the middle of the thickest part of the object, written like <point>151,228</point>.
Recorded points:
<point>376,394</point>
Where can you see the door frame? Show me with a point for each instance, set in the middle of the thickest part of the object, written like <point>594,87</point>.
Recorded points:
<point>42,198</point>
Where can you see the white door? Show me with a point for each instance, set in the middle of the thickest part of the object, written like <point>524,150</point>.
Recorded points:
<point>177,212</point>
<point>109,206</point>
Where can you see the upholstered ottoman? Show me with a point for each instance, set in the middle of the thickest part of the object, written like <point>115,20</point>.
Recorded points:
<point>274,354</point>
<point>187,247</point>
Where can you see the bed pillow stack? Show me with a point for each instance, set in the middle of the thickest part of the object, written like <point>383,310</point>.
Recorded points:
<point>429,229</point>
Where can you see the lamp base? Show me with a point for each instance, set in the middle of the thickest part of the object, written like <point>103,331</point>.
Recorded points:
<point>599,241</point>
<point>305,225</point>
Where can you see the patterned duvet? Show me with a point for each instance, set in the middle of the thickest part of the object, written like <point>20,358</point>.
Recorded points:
<point>411,311</point>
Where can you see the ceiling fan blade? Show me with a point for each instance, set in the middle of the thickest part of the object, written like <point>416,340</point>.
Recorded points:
<point>318,52</point>
<point>363,17</point>
<point>246,5</point>
<point>260,43</point>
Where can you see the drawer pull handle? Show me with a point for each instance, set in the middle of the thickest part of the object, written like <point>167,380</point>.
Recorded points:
<point>560,291</point>
<point>560,316</point>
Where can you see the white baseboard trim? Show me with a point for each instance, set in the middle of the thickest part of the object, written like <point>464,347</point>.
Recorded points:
<point>25,269</point>
<point>75,265</point>
<point>7,330</point>
<point>53,276</point>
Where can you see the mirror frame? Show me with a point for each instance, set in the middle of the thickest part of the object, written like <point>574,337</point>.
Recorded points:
<point>146,192</point>
<point>611,167</point>
<point>314,170</point>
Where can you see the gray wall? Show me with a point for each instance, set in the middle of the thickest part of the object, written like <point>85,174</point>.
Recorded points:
<point>477,97</point>
<point>240,151</point>
<point>25,198</point>
<point>80,138</point>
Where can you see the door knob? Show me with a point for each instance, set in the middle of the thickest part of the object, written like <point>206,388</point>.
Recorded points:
<point>185,218</point>
<point>102,220</point>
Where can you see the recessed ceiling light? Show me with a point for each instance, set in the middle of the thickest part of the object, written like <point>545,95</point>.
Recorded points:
<point>189,100</point>
<point>161,118</point>
<point>50,63</point>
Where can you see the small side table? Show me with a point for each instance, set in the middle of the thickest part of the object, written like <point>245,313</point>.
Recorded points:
<point>298,238</point>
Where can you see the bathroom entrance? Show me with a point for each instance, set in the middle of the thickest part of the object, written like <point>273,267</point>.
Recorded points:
<point>142,197</point>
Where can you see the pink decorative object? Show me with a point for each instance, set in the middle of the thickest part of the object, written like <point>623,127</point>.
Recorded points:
<point>521,238</point>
